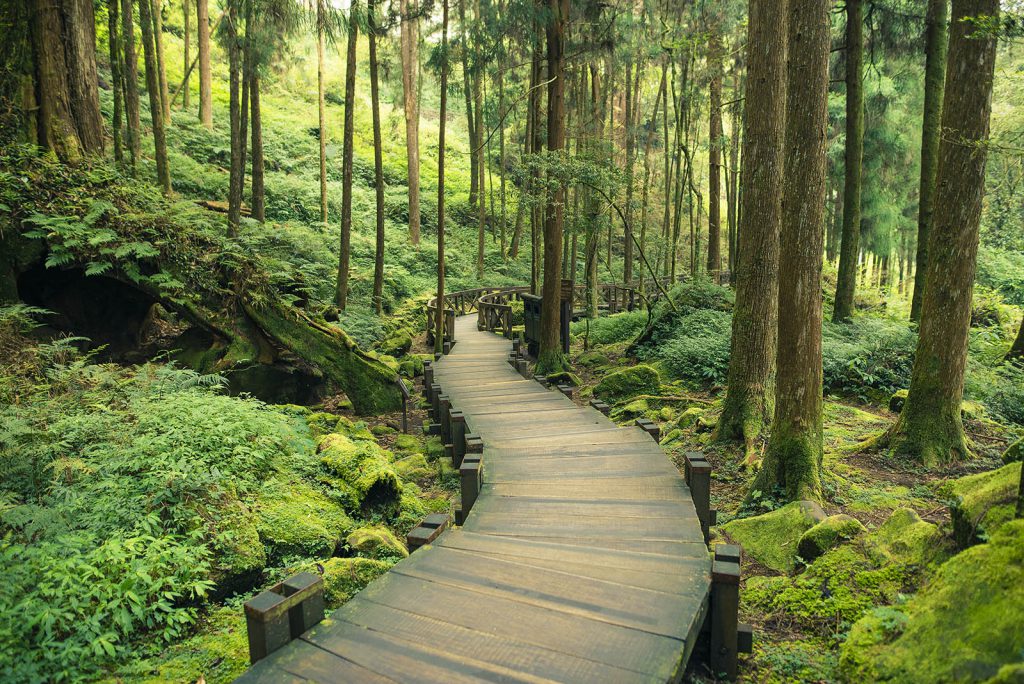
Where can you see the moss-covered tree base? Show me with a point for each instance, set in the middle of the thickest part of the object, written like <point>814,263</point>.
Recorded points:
<point>928,438</point>
<point>551,362</point>
<point>791,466</point>
<point>744,416</point>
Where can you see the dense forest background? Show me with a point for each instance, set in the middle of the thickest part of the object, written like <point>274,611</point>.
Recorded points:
<point>216,247</point>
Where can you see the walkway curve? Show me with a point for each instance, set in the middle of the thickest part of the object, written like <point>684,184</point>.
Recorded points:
<point>582,560</point>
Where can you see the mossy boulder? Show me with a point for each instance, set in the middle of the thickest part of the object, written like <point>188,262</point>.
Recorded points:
<point>565,378</point>
<point>672,436</point>
<point>413,467</point>
<point>628,382</point>
<point>964,625</point>
<point>397,343</point>
<point>593,359</point>
<point>980,504</point>
<point>666,414</point>
<point>295,519</point>
<point>358,430</point>
<point>689,417</point>
<point>321,423</point>
<point>905,538</point>
<point>772,539</point>
<point>239,555</point>
<point>897,400</point>
<point>381,430</point>
<point>411,367</point>
<point>404,442</point>
<point>376,542</point>
<point>828,534</point>
<point>1015,452</point>
<point>637,407</point>
<point>363,467</point>
<point>345,577</point>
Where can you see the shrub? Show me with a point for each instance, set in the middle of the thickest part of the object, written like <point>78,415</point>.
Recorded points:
<point>699,348</point>
<point>621,327</point>
<point>868,357</point>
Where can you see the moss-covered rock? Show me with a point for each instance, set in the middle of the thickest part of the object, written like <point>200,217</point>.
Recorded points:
<point>358,430</point>
<point>397,343</point>
<point>828,534</point>
<point>629,382</point>
<point>593,359</point>
<point>345,577</point>
<point>376,542</point>
<point>637,407</point>
<point>379,430</point>
<point>294,519</point>
<point>688,417</point>
<point>980,504</point>
<point>414,467</point>
<point>897,400</point>
<point>321,423</point>
<point>411,367</point>
<point>672,436</point>
<point>907,539</point>
<point>565,378</point>
<point>239,555</point>
<point>666,414</point>
<point>964,625</point>
<point>1008,674</point>
<point>1015,452</point>
<point>365,468</point>
<point>772,539</point>
<point>404,442</point>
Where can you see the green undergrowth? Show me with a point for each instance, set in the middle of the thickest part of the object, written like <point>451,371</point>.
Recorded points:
<point>140,505</point>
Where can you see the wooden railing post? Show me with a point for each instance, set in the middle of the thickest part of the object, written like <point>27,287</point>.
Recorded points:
<point>724,613</point>
<point>698,478</point>
<point>458,443</point>
<point>282,613</point>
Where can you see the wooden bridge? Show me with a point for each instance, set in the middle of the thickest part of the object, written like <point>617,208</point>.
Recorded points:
<point>581,556</point>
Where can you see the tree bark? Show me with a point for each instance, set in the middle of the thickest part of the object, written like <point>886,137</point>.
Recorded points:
<point>714,263</point>
<point>536,143</point>
<point>749,398</point>
<point>131,85</point>
<point>847,284</point>
<point>550,357</point>
<point>321,106</point>
<point>930,428</point>
<point>116,79</point>
<point>592,235</point>
<point>627,231</point>
<point>158,43</point>
<point>256,116</point>
<point>467,89</point>
<point>163,173</point>
<point>439,317</point>
<point>346,164</point>
<point>410,68</point>
<point>733,177</point>
<point>792,461</point>
<point>378,164</point>
<point>478,151</point>
<point>936,43</point>
<point>57,130</point>
<point>1016,352</point>
<point>79,40</point>
<point>186,13</point>
<point>205,73</point>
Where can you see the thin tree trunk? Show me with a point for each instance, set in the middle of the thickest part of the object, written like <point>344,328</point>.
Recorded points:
<point>478,151</point>
<point>536,141</point>
<point>936,42</point>
<point>593,210</point>
<point>410,103</point>
<point>733,178</point>
<point>347,158</point>
<point>930,427</point>
<point>235,114</point>
<point>205,74</point>
<point>131,85</point>
<point>186,6</point>
<point>378,164</point>
<point>158,43</point>
<point>668,162</point>
<point>847,284</point>
<point>627,232</point>
<point>550,357</point>
<point>439,318</point>
<point>258,193</point>
<point>501,152</point>
<point>792,461</point>
<point>749,398</point>
<point>715,156</point>
<point>321,18</point>
<point>153,88</point>
<point>116,79</point>
<point>1016,352</point>
<point>467,89</point>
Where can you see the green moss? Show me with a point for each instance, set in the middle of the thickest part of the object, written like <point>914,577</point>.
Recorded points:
<point>771,539</point>
<point>828,534</point>
<point>345,577</point>
<point>381,430</point>
<point>593,359</point>
<point>376,542</point>
<point>1015,452</point>
<point>397,344</point>
<point>897,400</point>
<point>218,652</point>
<point>565,378</point>
<point>629,382</point>
<point>356,430</point>
<point>239,555</point>
<point>672,436</point>
<point>980,504</point>
<point>414,467</point>
<point>688,417</point>
<point>406,443</point>
<point>411,366</point>
<point>322,423</point>
<point>965,625</point>
<point>1008,674</point>
<point>294,519</point>
<point>364,467</point>
<point>637,407</point>
<point>907,539</point>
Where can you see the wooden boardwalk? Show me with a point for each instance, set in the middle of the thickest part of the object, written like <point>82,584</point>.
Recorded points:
<point>582,560</point>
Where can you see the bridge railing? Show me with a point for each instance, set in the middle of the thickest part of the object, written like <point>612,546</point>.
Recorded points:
<point>494,310</point>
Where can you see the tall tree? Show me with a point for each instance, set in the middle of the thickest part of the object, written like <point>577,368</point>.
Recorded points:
<point>205,73</point>
<point>792,460</point>
<point>258,193</point>
<point>131,80</point>
<point>378,163</point>
<point>467,91</point>
<point>930,427</point>
<point>236,115</point>
<point>1016,352</point>
<point>186,7</point>
<point>116,78</point>
<point>347,156</point>
<point>715,151</point>
<point>550,357</point>
<point>443,117</point>
<point>156,109</point>
<point>158,45</point>
<point>410,38</point>
<point>321,30</point>
<point>749,398</point>
<point>854,154</point>
<point>630,134</point>
<point>936,42</point>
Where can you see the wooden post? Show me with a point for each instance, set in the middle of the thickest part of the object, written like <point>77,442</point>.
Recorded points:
<point>458,444</point>
<point>474,445</point>
<point>428,377</point>
<point>698,477</point>
<point>282,613</point>
<point>725,605</point>
<point>427,531</point>
<point>650,428</point>
<point>444,404</point>
<point>601,406</point>
<point>523,367</point>
<point>567,390</point>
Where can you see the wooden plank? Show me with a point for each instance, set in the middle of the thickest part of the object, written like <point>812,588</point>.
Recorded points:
<point>541,508</point>
<point>593,527</point>
<point>300,662</point>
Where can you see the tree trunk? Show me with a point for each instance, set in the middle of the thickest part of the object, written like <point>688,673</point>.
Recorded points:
<point>1016,352</point>
<point>847,284</point>
<point>321,107</point>
<point>235,115</point>
<point>536,141</point>
<point>80,55</point>
<point>443,122</point>
<point>749,398</point>
<point>163,173</point>
<point>205,74</point>
<point>158,44</point>
<point>936,42</point>
<point>187,63</point>
<point>715,155</point>
<point>57,130</point>
<point>627,231</point>
<point>116,79</point>
<point>410,67</point>
<point>131,85</point>
<point>550,357</point>
<point>258,193</point>
<point>478,151</point>
<point>930,427</point>
<point>593,208</point>
<point>502,166</point>
<point>467,89</point>
<point>792,461</point>
<point>378,163</point>
<point>733,178</point>
<point>346,164</point>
